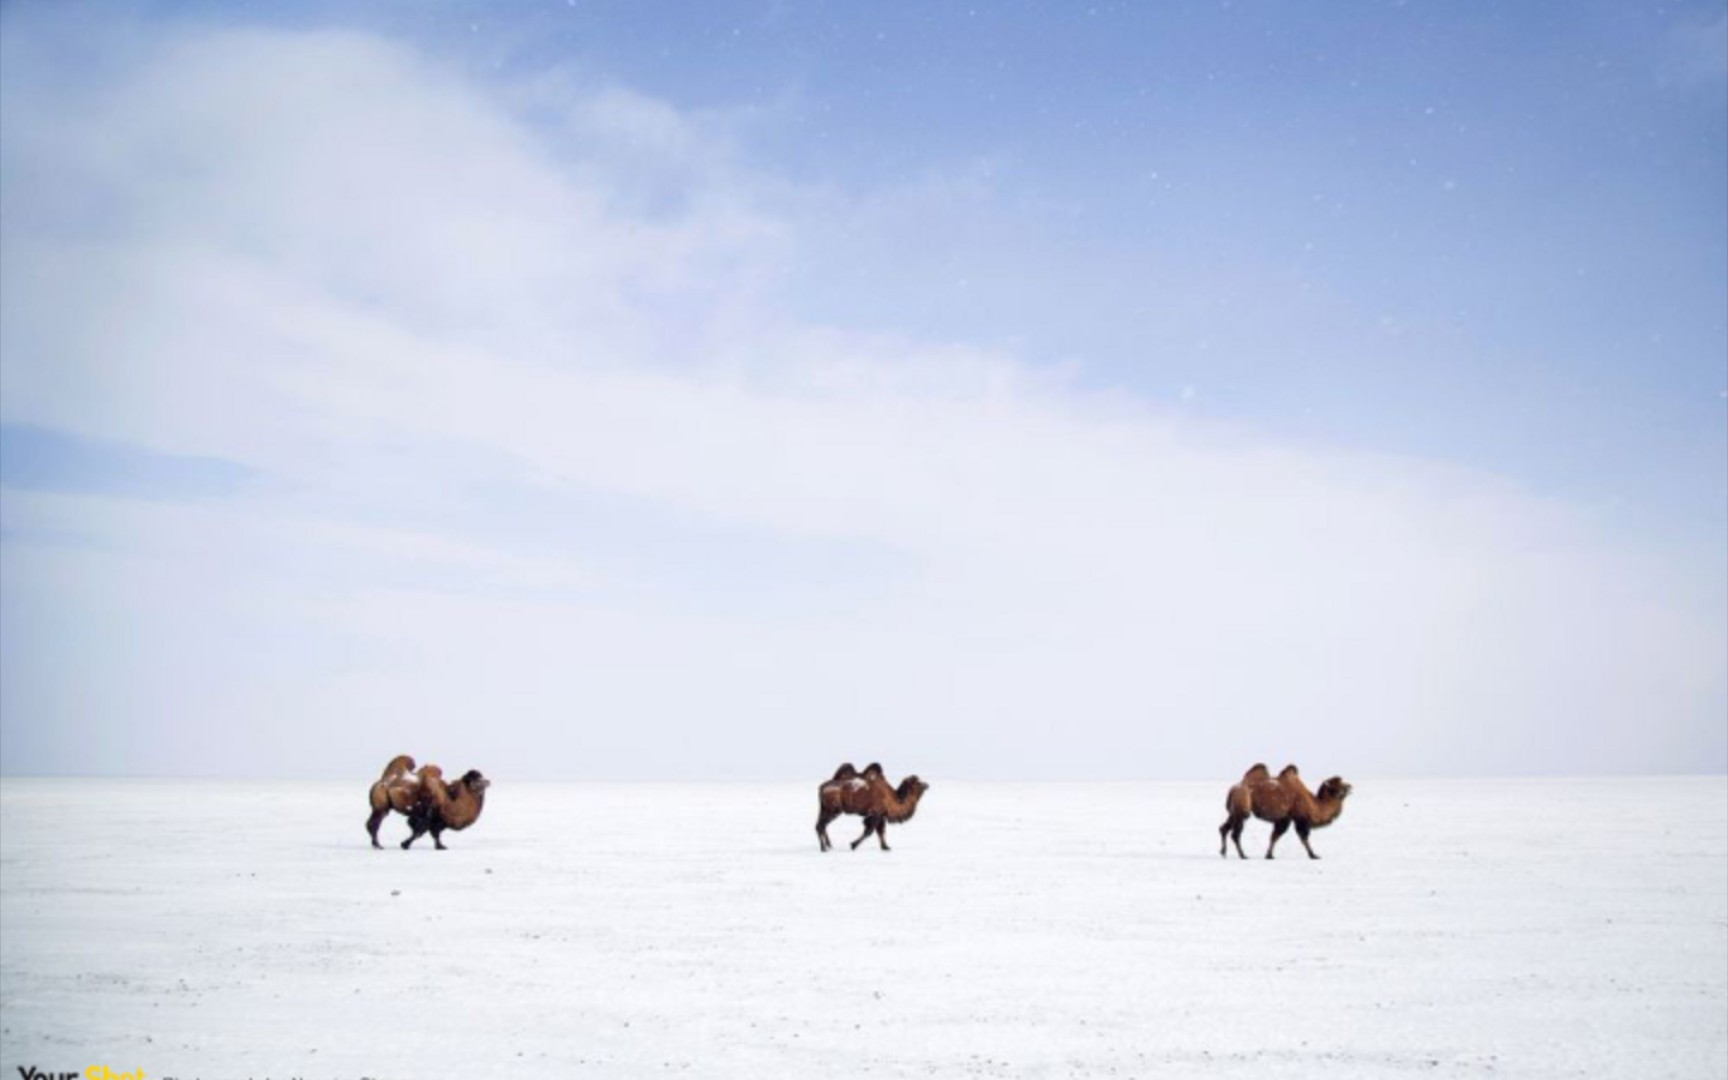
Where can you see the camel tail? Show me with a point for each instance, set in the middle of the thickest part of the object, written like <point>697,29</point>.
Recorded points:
<point>401,763</point>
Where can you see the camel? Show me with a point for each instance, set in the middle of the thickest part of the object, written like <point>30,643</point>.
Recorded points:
<point>1284,801</point>
<point>426,800</point>
<point>869,795</point>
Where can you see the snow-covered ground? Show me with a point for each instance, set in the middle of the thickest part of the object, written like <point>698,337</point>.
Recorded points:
<point>1536,928</point>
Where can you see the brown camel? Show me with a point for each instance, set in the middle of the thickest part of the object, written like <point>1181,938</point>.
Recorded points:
<point>1284,801</point>
<point>869,795</point>
<point>426,800</point>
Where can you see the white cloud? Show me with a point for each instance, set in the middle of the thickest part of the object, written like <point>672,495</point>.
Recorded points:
<point>548,469</point>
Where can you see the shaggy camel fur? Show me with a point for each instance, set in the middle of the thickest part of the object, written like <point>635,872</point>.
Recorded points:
<point>397,789</point>
<point>423,797</point>
<point>1284,801</point>
<point>868,795</point>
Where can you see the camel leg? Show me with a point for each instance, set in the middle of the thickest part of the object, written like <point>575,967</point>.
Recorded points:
<point>1278,829</point>
<point>1230,830</point>
<point>882,833</point>
<point>1302,830</point>
<point>823,817</point>
<point>373,822</point>
<point>419,828</point>
<point>869,827</point>
<point>438,838</point>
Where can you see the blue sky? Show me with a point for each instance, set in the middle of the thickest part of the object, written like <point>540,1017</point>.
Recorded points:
<point>1509,220</point>
<point>1021,390</point>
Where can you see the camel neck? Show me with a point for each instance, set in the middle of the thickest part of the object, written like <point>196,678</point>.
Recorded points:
<point>899,810</point>
<point>1326,811</point>
<point>460,810</point>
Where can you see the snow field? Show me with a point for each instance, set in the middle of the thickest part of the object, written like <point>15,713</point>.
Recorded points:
<point>1525,928</point>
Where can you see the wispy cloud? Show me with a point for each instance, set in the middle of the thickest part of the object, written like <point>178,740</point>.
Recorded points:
<point>548,472</point>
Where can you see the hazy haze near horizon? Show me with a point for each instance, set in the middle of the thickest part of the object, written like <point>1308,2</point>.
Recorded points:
<point>588,393</point>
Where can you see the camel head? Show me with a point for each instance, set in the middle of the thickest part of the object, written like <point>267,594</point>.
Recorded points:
<point>474,782</point>
<point>1333,788</point>
<point>911,787</point>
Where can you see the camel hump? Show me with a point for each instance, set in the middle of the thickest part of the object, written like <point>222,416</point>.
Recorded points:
<point>1288,771</point>
<point>873,769</point>
<point>401,763</point>
<point>1258,772</point>
<point>845,771</point>
<point>431,772</point>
